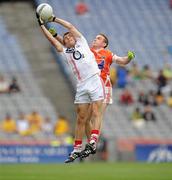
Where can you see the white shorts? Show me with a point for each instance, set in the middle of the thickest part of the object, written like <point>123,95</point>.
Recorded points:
<point>90,90</point>
<point>108,95</point>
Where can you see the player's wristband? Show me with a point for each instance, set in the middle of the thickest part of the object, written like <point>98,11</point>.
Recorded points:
<point>55,35</point>
<point>54,18</point>
<point>37,15</point>
<point>40,23</point>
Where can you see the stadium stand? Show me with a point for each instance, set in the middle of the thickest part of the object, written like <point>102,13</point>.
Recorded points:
<point>14,63</point>
<point>149,38</point>
<point>36,48</point>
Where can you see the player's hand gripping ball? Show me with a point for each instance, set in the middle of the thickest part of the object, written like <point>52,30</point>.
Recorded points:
<point>131,55</point>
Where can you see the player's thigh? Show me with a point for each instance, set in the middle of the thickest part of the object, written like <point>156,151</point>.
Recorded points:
<point>97,108</point>
<point>104,106</point>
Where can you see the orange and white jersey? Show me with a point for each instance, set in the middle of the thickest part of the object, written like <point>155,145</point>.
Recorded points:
<point>104,61</point>
<point>81,60</point>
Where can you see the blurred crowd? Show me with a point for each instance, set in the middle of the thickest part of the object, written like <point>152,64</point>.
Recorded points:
<point>143,99</point>
<point>9,87</point>
<point>81,8</point>
<point>30,124</point>
<point>33,124</point>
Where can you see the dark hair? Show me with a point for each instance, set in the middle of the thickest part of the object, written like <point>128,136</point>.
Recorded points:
<point>105,39</point>
<point>66,33</point>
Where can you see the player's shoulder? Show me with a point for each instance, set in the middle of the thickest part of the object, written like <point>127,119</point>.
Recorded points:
<point>107,53</point>
<point>81,38</point>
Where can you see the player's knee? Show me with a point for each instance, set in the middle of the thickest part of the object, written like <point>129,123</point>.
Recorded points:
<point>88,122</point>
<point>81,119</point>
<point>95,113</point>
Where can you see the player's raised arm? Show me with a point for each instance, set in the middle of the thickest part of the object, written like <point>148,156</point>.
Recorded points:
<point>49,36</point>
<point>53,41</point>
<point>67,25</point>
<point>123,60</point>
<point>56,35</point>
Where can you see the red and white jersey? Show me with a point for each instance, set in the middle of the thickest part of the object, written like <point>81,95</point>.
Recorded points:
<point>81,60</point>
<point>104,61</point>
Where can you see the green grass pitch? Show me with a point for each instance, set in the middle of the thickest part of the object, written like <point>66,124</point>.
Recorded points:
<point>87,171</point>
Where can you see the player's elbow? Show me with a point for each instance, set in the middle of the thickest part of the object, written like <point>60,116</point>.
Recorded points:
<point>59,49</point>
<point>125,63</point>
<point>122,61</point>
<point>57,45</point>
<point>71,27</point>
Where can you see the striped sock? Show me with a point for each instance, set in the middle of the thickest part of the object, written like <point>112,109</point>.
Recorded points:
<point>77,146</point>
<point>94,136</point>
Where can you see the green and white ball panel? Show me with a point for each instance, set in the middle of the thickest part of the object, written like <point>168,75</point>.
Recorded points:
<point>45,11</point>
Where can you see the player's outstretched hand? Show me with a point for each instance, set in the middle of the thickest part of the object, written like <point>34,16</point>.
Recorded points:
<point>37,15</point>
<point>52,18</point>
<point>40,21</point>
<point>131,55</point>
<point>53,31</point>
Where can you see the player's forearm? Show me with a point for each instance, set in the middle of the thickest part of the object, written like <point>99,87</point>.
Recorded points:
<point>53,41</point>
<point>47,34</point>
<point>69,26</point>
<point>60,39</point>
<point>64,23</point>
<point>122,60</point>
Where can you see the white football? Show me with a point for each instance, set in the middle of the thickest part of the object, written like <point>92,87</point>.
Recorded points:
<point>45,11</point>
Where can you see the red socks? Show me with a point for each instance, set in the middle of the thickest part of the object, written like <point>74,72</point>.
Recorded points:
<point>78,146</point>
<point>93,139</point>
<point>94,136</point>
